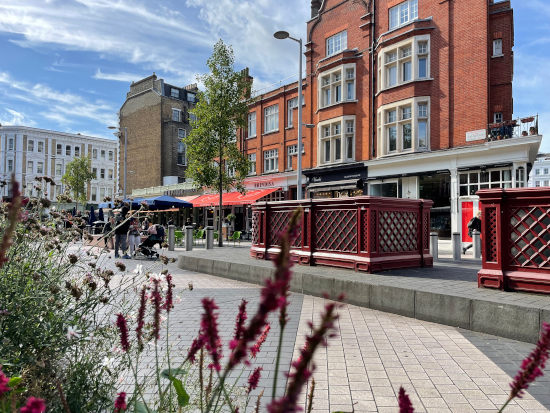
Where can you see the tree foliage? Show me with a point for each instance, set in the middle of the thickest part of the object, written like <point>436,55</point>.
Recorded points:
<point>212,150</point>
<point>78,174</point>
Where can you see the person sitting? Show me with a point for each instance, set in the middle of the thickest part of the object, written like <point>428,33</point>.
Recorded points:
<point>473,224</point>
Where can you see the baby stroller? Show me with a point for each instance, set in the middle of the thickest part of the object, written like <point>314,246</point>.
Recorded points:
<point>147,247</point>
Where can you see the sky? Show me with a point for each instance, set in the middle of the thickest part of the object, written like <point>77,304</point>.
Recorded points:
<point>66,65</point>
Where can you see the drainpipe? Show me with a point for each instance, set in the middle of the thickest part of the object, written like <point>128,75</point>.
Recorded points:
<point>373,97</point>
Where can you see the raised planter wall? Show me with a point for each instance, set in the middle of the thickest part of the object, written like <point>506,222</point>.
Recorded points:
<point>515,231</point>
<point>364,233</point>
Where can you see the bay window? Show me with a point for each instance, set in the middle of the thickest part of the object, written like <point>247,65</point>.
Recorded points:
<point>404,62</point>
<point>337,85</point>
<point>271,160</point>
<point>403,126</point>
<point>271,119</point>
<point>336,140</point>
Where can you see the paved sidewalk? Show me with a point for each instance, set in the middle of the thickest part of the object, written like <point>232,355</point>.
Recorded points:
<point>443,368</point>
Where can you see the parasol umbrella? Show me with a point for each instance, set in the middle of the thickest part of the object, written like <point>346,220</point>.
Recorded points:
<point>165,201</point>
<point>100,216</point>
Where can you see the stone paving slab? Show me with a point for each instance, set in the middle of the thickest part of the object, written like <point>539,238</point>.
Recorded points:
<point>446,293</point>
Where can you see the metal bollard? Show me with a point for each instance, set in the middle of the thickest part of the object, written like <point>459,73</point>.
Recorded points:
<point>457,246</point>
<point>189,238</point>
<point>476,240</point>
<point>434,245</point>
<point>171,237</point>
<point>209,238</point>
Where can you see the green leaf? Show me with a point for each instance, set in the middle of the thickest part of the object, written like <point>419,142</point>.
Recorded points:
<point>183,397</point>
<point>14,381</point>
<point>141,408</point>
<point>166,373</point>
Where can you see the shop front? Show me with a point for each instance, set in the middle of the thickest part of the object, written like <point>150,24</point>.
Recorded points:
<point>340,181</point>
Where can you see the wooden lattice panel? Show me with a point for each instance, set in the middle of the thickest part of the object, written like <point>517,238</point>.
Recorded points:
<point>256,227</point>
<point>336,230</point>
<point>491,247</point>
<point>278,222</point>
<point>398,231</point>
<point>426,229</point>
<point>530,237</point>
<point>365,231</point>
<point>373,231</point>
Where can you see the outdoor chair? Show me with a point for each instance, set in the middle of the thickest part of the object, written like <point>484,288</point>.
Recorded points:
<point>236,236</point>
<point>216,235</point>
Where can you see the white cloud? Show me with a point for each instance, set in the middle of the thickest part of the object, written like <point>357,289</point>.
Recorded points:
<point>13,117</point>
<point>118,77</point>
<point>62,107</point>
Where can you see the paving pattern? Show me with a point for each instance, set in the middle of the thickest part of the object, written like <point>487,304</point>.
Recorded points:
<point>441,367</point>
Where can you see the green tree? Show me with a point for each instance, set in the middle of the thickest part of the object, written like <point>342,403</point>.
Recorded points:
<point>214,158</point>
<point>78,174</point>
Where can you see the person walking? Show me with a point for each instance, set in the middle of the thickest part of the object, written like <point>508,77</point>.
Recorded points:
<point>108,232</point>
<point>134,237</point>
<point>121,233</point>
<point>474,224</point>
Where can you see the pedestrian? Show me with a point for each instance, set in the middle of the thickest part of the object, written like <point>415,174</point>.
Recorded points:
<point>108,233</point>
<point>134,237</point>
<point>473,224</point>
<point>121,233</point>
<point>145,224</point>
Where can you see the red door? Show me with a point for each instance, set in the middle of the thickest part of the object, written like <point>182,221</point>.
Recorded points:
<point>467,215</point>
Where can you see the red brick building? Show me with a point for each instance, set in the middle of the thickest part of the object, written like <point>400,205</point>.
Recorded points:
<point>408,99</point>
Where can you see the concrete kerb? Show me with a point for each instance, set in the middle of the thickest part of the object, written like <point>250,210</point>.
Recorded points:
<point>485,316</point>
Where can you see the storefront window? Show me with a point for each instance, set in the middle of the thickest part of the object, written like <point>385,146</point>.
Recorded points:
<point>473,181</point>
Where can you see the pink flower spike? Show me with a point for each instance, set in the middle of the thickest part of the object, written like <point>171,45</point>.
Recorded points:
<point>194,349</point>
<point>34,405</point>
<point>141,317</point>
<point>239,324</point>
<point>533,366</point>
<point>123,330</point>
<point>405,405</point>
<point>169,302</point>
<point>254,379</point>
<point>120,402</point>
<point>4,380</point>
<point>157,304</point>
<point>256,347</point>
<point>209,332</point>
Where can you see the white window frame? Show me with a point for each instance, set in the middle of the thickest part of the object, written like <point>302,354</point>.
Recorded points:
<point>271,118</point>
<point>30,145</point>
<point>40,146</point>
<point>68,150</point>
<point>271,160</point>
<point>9,165</point>
<point>497,48</point>
<point>176,115</point>
<point>94,153</point>
<point>103,154</point>
<point>336,43</point>
<point>58,169</point>
<point>102,173</point>
<point>182,149</point>
<point>94,172</point>
<point>111,155</point>
<point>469,186</point>
<point>110,174</point>
<point>39,167</point>
<point>11,142</point>
<point>332,130</point>
<point>174,93</point>
<point>394,57</point>
<point>291,105</point>
<point>77,151</point>
<point>30,167</point>
<point>335,82</point>
<point>292,150</point>
<point>252,163</point>
<point>59,149</point>
<point>402,14</point>
<point>251,132</point>
<point>385,122</point>
<point>93,194</point>
<point>497,117</point>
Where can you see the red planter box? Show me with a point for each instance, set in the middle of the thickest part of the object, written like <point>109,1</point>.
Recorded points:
<point>364,233</point>
<point>515,232</point>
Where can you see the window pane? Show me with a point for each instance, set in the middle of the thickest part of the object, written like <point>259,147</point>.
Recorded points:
<point>407,136</point>
<point>473,177</point>
<point>349,147</point>
<point>463,179</point>
<point>422,134</point>
<point>406,112</point>
<point>326,97</point>
<point>338,93</point>
<point>392,75</point>
<point>350,90</point>
<point>327,151</point>
<point>422,67</point>
<point>404,13</point>
<point>495,176</point>
<point>393,17</point>
<point>391,116</point>
<point>422,110</point>
<point>407,71</point>
<point>337,149</point>
<point>392,138</point>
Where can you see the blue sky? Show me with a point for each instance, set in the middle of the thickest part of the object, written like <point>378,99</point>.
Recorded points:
<point>67,64</point>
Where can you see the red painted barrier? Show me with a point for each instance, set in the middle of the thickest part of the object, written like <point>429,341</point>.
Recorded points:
<point>364,233</point>
<point>515,231</point>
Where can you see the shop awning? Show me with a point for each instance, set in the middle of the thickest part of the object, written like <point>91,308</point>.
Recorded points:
<point>232,198</point>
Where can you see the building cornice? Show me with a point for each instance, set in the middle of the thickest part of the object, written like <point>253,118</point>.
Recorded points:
<point>37,131</point>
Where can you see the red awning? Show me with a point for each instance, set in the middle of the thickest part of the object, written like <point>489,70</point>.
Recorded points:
<point>232,198</point>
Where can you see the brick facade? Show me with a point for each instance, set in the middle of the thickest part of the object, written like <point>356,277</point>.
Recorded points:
<point>153,132</point>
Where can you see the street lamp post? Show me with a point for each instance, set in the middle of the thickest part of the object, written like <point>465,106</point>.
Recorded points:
<point>125,157</point>
<point>285,35</point>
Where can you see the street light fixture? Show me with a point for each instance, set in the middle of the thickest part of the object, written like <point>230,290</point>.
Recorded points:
<point>125,156</point>
<point>281,35</point>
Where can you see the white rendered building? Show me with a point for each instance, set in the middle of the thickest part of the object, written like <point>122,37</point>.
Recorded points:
<point>540,174</point>
<point>31,152</point>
